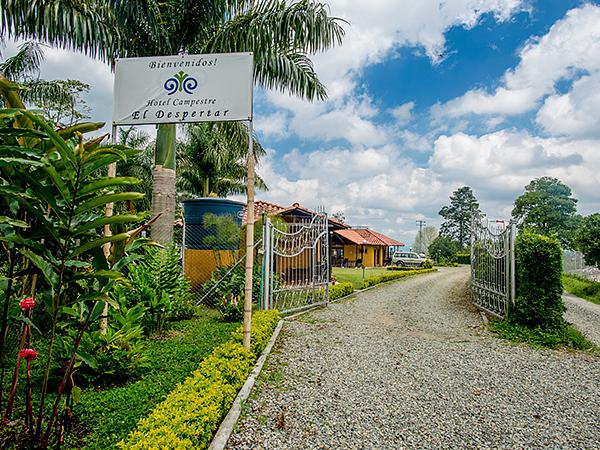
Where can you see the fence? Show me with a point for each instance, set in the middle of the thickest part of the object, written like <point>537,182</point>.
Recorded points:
<point>574,263</point>
<point>296,263</point>
<point>214,255</point>
<point>493,266</point>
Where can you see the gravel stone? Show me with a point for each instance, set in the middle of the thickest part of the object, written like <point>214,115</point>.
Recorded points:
<point>584,315</point>
<point>409,365</point>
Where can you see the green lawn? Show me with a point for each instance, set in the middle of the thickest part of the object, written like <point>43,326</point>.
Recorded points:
<point>108,415</point>
<point>355,276</point>
<point>579,286</point>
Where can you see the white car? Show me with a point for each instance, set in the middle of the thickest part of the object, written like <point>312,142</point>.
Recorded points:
<point>408,259</point>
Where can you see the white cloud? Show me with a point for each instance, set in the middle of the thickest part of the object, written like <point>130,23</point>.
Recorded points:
<point>403,113</point>
<point>375,30</point>
<point>571,46</point>
<point>498,165</point>
<point>273,125</point>
<point>576,113</point>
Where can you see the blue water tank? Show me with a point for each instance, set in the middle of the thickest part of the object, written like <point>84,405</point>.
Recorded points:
<point>212,223</point>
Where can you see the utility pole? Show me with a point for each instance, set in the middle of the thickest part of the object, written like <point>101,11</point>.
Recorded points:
<point>421,224</point>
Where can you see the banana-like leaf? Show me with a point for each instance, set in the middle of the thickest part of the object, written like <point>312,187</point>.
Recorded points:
<point>104,199</point>
<point>108,182</point>
<point>14,222</point>
<point>125,218</point>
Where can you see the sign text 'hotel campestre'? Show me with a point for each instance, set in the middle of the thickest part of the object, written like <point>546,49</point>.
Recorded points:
<point>184,88</point>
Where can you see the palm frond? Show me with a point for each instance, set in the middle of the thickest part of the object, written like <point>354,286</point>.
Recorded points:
<point>280,36</point>
<point>87,26</point>
<point>25,62</point>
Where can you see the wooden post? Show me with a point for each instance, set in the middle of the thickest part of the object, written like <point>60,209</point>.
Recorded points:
<point>112,172</point>
<point>249,241</point>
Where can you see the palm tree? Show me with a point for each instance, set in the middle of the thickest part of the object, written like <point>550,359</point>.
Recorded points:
<point>210,162</point>
<point>280,35</point>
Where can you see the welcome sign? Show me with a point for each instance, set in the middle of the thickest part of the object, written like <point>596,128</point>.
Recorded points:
<point>183,88</point>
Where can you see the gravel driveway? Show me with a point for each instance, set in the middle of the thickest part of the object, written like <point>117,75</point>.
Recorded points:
<point>408,365</point>
<point>583,315</point>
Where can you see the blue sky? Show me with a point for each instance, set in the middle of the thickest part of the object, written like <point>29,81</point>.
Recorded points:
<point>426,96</point>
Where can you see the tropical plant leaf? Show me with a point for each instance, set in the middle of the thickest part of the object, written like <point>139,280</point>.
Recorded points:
<point>13,222</point>
<point>124,218</point>
<point>108,182</point>
<point>105,199</point>
<point>46,268</point>
<point>99,242</point>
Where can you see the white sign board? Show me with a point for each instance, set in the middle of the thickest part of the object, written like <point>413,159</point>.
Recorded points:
<point>183,88</point>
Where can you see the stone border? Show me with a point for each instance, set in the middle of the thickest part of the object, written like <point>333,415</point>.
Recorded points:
<point>224,432</point>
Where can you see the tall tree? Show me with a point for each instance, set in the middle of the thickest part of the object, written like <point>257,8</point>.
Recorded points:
<point>459,215</point>
<point>548,208</point>
<point>279,34</point>
<point>425,238</point>
<point>587,239</point>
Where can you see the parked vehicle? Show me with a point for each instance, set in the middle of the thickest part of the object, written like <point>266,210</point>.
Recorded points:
<point>408,259</point>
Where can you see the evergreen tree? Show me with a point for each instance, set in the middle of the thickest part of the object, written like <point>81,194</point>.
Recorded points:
<point>459,215</point>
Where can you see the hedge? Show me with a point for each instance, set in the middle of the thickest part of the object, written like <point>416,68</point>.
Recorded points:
<point>539,286</point>
<point>192,412</point>
<point>340,290</point>
<point>372,281</point>
<point>463,258</point>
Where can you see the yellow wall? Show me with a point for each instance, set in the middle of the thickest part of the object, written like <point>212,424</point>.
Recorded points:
<point>199,264</point>
<point>353,252</point>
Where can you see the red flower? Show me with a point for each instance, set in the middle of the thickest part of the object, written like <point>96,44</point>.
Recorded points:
<point>27,303</point>
<point>29,354</point>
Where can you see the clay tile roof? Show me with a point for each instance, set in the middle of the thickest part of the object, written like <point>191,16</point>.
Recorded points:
<point>388,240</point>
<point>368,237</point>
<point>261,207</point>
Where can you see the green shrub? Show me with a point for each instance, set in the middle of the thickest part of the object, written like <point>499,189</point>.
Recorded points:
<point>157,283</point>
<point>463,258</point>
<point>539,286</point>
<point>548,337</point>
<point>263,324</point>
<point>340,290</point>
<point>229,289</point>
<point>372,281</point>
<point>191,414</point>
<point>428,264</point>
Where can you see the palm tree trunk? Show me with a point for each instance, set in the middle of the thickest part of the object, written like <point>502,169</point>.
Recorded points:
<point>163,184</point>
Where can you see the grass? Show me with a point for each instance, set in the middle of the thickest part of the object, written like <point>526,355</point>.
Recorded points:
<point>582,287</point>
<point>355,275</point>
<point>562,337</point>
<point>107,416</point>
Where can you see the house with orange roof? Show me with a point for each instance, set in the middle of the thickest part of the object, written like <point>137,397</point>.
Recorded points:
<point>357,246</point>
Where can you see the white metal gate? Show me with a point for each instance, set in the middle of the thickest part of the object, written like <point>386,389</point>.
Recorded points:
<point>295,264</point>
<point>493,266</point>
